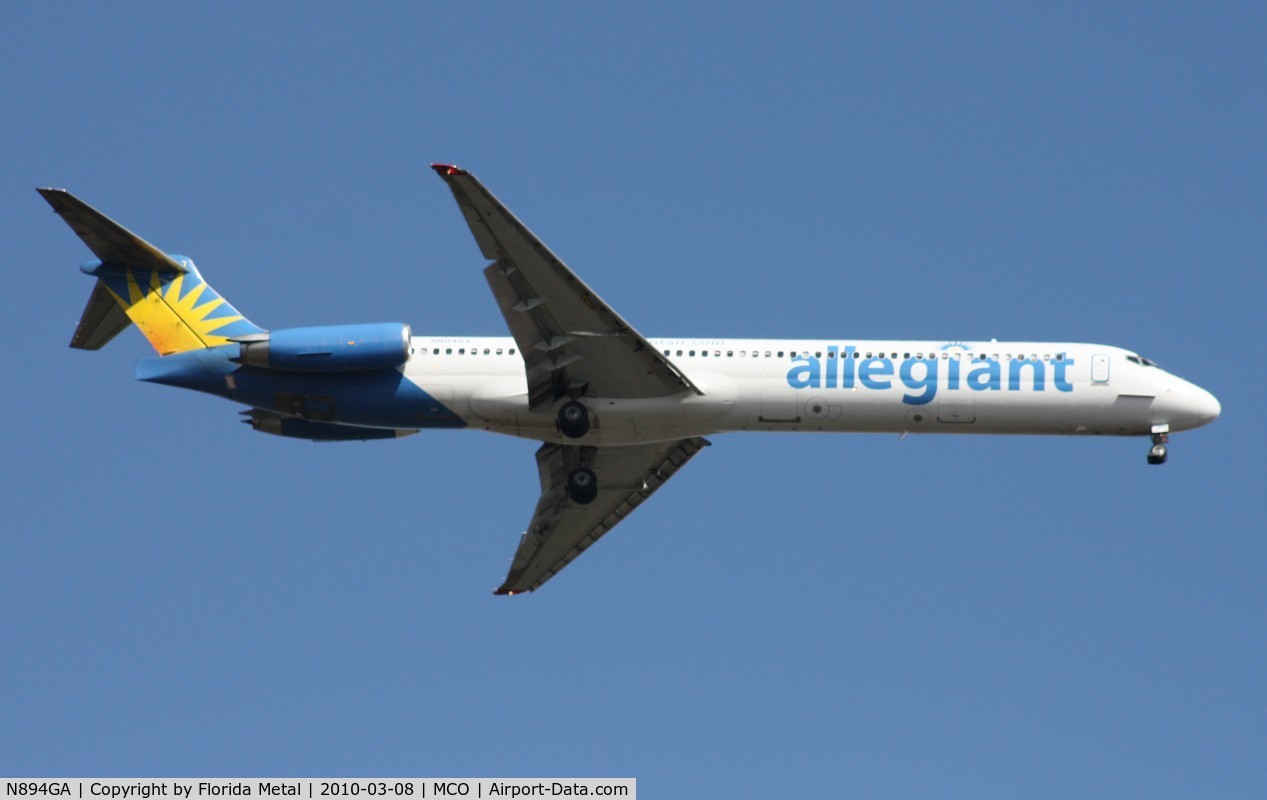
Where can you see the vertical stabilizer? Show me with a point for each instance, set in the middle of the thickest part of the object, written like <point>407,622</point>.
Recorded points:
<point>162,293</point>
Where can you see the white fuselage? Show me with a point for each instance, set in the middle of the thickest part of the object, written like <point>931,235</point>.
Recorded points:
<point>833,385</point>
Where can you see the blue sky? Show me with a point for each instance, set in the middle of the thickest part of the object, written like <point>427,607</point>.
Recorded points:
<point>955,616</point>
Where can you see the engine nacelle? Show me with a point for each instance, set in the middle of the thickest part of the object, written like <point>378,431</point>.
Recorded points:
<point>329,348</point>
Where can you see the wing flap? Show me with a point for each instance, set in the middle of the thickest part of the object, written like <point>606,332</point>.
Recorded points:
<point>562,529</point>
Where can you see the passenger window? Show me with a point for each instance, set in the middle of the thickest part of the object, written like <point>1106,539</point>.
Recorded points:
<point>448,351</point>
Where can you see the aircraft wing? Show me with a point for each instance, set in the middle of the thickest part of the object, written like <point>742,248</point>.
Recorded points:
<point>561,529</point>
<point>570,339</point>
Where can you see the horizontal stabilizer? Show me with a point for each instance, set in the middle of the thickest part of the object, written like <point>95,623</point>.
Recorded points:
<point>107,239</point>
<point>101,321</point>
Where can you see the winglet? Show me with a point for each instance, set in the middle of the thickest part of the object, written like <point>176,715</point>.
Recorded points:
<point>444,170</point>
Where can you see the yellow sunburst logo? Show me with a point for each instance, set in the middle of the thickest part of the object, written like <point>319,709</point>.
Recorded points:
<point>172,323</point>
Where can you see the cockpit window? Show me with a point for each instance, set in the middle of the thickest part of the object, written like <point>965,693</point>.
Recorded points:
<point>1141,361</point>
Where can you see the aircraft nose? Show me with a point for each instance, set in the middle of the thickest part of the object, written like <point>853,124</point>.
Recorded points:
<point>1207,406</point>
<point>1198,406</point>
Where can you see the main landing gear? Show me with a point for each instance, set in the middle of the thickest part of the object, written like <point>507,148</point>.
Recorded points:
<point>574,419</point>
<point>574,422</point>
<point>582,485</point>
<point>1157,454</point>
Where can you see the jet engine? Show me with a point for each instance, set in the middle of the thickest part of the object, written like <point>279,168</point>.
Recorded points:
<point>328,348</point>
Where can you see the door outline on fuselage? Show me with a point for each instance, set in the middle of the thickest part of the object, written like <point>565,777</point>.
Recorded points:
<point>1100,368</point>
<point>779,405</point>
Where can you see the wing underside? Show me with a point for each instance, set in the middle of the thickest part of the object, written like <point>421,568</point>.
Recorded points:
<point>574,345</point>
<point>572,342</point>
<point>561,529</point>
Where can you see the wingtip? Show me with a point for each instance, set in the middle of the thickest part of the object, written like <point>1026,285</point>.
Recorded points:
<point>445,170</point>
<point>57,198</point>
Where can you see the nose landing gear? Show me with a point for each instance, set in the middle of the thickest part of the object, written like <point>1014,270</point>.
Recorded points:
<point>1157,454</point>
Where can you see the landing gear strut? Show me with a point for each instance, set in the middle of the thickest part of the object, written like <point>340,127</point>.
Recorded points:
<point>574,419</point>
<point>1157,454</point>
<point>582,485</point>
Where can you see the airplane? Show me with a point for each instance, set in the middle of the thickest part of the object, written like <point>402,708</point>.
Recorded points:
<point>617,414</point>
